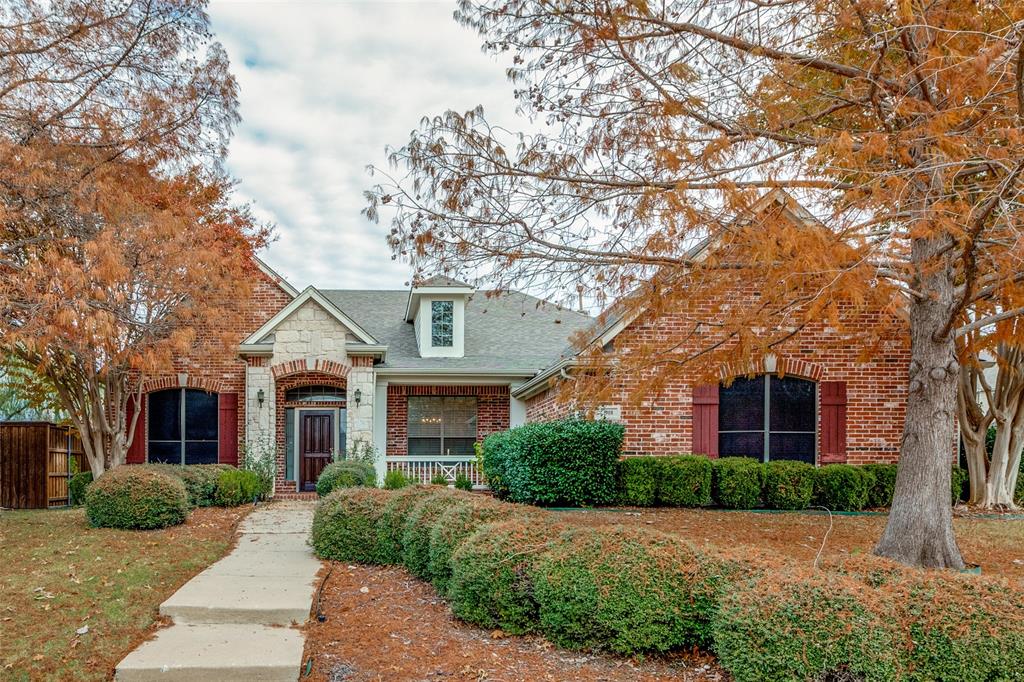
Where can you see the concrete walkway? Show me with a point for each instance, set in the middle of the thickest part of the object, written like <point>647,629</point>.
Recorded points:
<point>234,620</point>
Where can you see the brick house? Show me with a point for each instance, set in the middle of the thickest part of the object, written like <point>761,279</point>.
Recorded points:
<point>424,373</point>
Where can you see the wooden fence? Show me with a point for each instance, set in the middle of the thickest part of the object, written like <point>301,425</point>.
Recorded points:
<point>36,461</point>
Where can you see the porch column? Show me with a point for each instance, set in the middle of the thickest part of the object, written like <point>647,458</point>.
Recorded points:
<point>380,429</point>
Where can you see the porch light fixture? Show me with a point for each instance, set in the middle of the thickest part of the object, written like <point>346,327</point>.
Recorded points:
<point>358,396</point>
<point>260,397</point>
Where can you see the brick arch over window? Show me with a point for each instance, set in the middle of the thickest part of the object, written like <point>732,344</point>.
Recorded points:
<point>331,368</point>
<point>785,366</point>
<point>184,381</point>
<point>284,383</point>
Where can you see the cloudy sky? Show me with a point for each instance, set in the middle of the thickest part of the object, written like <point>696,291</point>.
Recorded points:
<point>325,86</point>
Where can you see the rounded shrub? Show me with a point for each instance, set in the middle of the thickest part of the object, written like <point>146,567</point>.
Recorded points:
<point>491,582</point>
<point>788,484</point>
<point>566,462</point>
<point>792,625</point>
<point>345,474</point>
<point>842,487</point>
<point>200,480</point>
<point>77,486</point>
<point>627,590</point>
<point>737,482</point>
<point>418,524</point>
<point>454,525</point>
<point>137,498</point>
<point>882,485</point>
<point>684,481</point>
<point>638,481</point>
<point>395,479</point>
<point>391,524</point>
<point>237,486</point>
<point>345,524</point>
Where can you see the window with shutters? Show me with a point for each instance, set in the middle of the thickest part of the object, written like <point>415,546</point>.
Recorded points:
<point>183,426</point>
<point>769,418</point>
<point>441,426</point>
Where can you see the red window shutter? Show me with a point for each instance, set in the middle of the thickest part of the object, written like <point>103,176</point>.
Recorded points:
<point>137,448</point>
<point>833,422</point>
<point>228,450</point>
<point>705,420</point>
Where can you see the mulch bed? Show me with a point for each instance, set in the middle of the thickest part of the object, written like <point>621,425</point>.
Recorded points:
<point>384,624</point>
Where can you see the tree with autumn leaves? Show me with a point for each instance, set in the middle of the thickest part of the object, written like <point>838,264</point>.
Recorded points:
<point>119,238</point>
<point>659,126</point>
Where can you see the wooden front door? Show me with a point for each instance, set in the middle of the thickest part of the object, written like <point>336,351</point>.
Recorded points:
<point>316,443</point>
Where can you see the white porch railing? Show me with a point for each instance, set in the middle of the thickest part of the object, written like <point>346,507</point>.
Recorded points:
<point>423,469</point>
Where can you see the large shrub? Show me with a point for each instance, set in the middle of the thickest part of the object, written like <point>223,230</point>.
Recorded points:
<point>842,487</point>
<point>628,590</point>
<point>420,521</point>
<point>793,625</point>
<point>737,482</point>
<point>684,481</point>
<point>882,485</point>
<point>491,582</point>
<point>77,486</point>
<point>568,462</point>
<point>238,486</point>
<point>200,480</point>
<point>638,481</point>
<point>391,525</point>
<point>454,525</point>
<point>136,497</point>
<point>788,484</point>
<point>345,524</point>
<point>345,474</point>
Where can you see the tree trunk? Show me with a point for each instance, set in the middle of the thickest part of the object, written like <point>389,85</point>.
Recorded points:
<point>919,531</point>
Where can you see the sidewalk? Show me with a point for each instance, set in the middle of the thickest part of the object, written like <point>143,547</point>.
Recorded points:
<point>235,620</point>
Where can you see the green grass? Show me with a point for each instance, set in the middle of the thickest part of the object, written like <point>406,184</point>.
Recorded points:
<point>58,575</point>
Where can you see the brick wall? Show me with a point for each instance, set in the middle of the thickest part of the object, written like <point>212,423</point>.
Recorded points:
<point>661,422</point>
<point>214,363</point>
<point>492,410</point>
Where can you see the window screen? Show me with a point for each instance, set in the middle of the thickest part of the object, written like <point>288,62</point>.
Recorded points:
<point>442,324</point>
<point>768,417</point>
<point>183,426</point>
<point>441,426</point>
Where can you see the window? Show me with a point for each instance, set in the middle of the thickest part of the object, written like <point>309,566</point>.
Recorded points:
<point>442,324</point>
<point>768,418</point>
<point>441,426</point>
<point>183,426</point>
<point>315,394</point>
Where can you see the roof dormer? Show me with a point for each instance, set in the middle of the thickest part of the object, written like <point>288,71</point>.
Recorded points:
<point>437,309</point>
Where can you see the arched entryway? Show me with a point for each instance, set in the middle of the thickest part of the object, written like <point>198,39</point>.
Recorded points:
<point>311,425</point>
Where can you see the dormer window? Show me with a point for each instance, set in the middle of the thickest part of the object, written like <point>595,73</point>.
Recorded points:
<point>442,324</point>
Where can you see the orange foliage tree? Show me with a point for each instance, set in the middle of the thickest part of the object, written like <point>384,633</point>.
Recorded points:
<point>118,237</point>
<point>661,125</point>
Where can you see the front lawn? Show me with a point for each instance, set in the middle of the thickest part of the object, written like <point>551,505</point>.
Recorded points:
<point>59,576</point>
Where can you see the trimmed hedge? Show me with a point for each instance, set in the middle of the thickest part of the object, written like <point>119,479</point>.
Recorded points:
<point>345,525</point>
<point>568,462</point>
<point>842,487</point>
<point>737,482</point>
<point>135,497</point>
<point>491,582</point>
<point>638,481</point>
<point>391,525</point>
<point>238,486</point>
<point>453,526</point>
<point>685,481</point>
<point>628,590</point>
<point>345,474</point>
<point>77,486</point>
<point>200,480</point>
<point>883,485</point>
<point>788,484</point>
<point>418,524</point>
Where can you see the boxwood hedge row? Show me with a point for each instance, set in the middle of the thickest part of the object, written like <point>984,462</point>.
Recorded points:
<point>635,590</point>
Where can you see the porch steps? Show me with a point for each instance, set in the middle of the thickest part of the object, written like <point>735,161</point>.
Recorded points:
<point>307,496</point>
<point>237,619</point>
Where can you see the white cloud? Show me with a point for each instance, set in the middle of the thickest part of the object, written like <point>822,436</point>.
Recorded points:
<point>324,88</point>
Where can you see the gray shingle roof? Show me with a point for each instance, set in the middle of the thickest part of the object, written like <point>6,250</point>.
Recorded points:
<point>512,331</point>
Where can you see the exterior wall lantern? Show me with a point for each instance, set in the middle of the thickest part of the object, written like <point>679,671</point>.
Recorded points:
<point>260,397</point>
<point>358,396</point>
